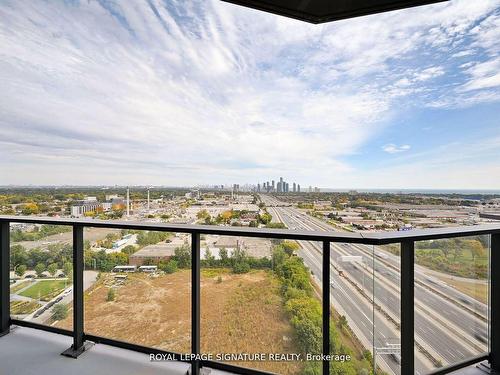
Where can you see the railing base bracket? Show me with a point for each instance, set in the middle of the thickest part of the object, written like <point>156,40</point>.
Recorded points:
<point>72,353</point>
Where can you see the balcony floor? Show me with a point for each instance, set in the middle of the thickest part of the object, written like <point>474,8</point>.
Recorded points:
<point>26,351</point>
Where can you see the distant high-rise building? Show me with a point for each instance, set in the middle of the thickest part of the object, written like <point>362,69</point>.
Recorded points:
<point>258,188</point>
<point>286,187</point>
<point>272,185</point>
<point>294,187</point>
<point>310,189</point>
<point>298,188</point>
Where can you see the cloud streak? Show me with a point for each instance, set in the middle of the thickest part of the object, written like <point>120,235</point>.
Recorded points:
<point>179,93</point>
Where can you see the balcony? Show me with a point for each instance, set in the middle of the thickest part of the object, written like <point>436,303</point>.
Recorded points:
<point>415,319</point>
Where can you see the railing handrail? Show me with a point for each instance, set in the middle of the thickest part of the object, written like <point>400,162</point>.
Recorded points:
<point>368,238</point>
<point>406,239</point>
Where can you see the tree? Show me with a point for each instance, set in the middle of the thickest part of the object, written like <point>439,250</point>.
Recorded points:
<point>59,311</point>
<point>224,258</point>
<point>290,247</point>
<point>129,249</point>
<point>20,270</point>
<point>343,322</point>
<point>68,270</point>
<point>265,218</point>
<point>476,249</point>
<point>18,255</point>
<point>209,258</point>
<point>226,216</point>
<point>29,209</point>
<point>203,214</point>
<point>40,269</point>
<point>52,268</point>
<point>182,255</point>
<point>457,252</point>
<point>240,261</point>
<point>111,295</point>
<point>169,267</point>
<point>446,249</point>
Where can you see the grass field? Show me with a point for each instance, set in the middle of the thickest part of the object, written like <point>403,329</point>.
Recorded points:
<point>477,290</point>
<point>23,307</point>
<point>45,289</point>
<point>239,313</point>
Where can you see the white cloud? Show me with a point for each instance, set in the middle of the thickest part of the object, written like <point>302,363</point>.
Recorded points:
<point>483,75</point>
<point>391,148</point>
<point>208,92</point>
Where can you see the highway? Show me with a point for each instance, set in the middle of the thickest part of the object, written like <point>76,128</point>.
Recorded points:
<point>450,326</point>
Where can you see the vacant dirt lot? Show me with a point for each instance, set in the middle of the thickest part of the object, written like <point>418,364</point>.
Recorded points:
<point>240,314</point>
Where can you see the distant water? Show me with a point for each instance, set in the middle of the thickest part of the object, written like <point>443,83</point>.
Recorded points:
<point>419,191</point>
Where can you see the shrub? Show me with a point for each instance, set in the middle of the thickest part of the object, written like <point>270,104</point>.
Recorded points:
<point>111,295</point>
<point>59,311</point>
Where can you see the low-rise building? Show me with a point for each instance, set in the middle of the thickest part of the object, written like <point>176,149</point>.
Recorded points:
<point>153,254</point>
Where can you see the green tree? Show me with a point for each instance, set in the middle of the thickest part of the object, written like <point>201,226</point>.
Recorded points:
<point>182,255</point>
<point>202,214</point>
<point>59,311</point>
<point>129,249</point>
<point>18,255</point>
<point>40,269</point>
<point>476,249</point>
<point>209,258</point>
<point>224,258</point>
<point>20,270</point>
<point>169,267</point>
<point>68,270</point>
<point>52,269</point>
<point>290,247</point>
<point>265,218</point>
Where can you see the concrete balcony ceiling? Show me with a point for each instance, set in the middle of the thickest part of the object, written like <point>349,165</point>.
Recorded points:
<point>320,11</point>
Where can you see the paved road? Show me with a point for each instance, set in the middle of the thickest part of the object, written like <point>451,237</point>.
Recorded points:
<point>443,342</point>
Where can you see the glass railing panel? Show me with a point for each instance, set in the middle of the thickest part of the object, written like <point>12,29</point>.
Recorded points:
<point>351,293</point>
<point>261,303</point>
<point>451,299</point>
<point>41,269</point>
<point>387,316</point>
<point>138,287</point>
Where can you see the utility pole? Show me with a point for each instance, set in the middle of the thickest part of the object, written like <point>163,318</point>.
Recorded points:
<point>148,200</point>
<point>128,201</point>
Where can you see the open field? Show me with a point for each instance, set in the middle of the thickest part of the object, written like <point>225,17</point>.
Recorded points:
<point>45,289</point>
<point>477,290</point>
<point>157,312</point>
<point>23,307</point>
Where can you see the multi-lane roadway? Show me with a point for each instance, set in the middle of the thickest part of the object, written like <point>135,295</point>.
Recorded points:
<point>449,326</point>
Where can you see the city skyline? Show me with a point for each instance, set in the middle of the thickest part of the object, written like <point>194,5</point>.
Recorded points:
<point>192,93</point>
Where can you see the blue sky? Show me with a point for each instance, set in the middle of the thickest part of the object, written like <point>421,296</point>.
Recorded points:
<point>205,92</point>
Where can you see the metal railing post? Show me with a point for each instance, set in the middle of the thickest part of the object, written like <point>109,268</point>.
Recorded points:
<point>495,302</point>
<point>78,346</point>
<point>4,277</point>
<point>195,301</point>
<point>326,306</point>
<point>407,307</point>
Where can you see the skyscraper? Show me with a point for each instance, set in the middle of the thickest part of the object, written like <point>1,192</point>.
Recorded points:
<point>294,187</point>
<point>298,188</point>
